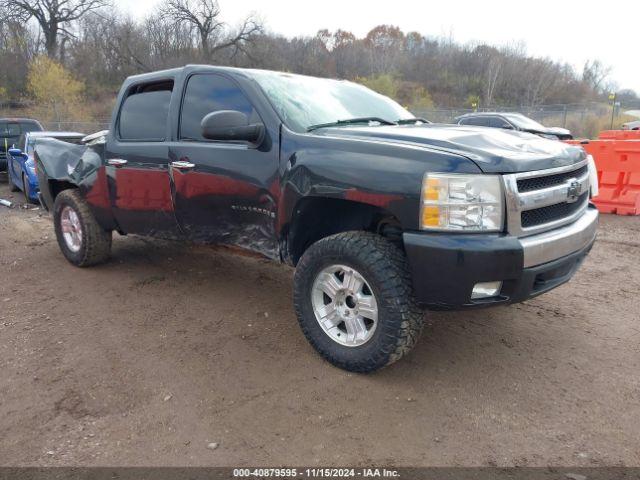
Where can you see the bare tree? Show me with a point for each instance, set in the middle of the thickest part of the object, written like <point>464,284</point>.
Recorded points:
<point>595,74</point>
<point>204,17</point>
<point>385,44</point>
<point>17,47</point>
<point>54,17</point>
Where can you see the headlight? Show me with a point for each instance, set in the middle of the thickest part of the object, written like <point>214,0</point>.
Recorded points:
<point>461,202</point>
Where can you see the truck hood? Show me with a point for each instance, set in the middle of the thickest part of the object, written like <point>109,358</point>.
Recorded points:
<point>493,150</point>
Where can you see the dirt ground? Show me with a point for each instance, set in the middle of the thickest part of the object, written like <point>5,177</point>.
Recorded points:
<point>168,347</point>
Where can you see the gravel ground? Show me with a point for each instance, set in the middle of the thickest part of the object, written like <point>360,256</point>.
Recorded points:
<point>150,358</point>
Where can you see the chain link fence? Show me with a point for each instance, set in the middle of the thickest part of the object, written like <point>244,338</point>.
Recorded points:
<point>23,109</point>
<point>561,115</point>
<point>82,127</point>
<point>585,119</point>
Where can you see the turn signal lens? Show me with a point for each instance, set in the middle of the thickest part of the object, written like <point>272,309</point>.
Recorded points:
<point>433,189</point>
<point>431,216</point>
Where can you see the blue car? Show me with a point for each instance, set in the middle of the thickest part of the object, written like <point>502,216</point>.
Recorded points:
<point>21,166</point>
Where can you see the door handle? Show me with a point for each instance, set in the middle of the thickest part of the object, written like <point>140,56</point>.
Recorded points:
<point>117,162</point>
<point>182,165</point>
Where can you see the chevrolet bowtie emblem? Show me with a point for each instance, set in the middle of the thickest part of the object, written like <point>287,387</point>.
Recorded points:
<point>573,190</point>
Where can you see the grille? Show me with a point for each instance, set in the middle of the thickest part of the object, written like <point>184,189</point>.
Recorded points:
<point>538,183</point>
<point>539,216</point>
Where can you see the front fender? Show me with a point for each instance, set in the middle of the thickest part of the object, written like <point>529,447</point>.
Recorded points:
<point>387,176</point>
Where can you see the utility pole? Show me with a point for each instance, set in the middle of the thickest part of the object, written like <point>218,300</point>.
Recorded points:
<point>612,97</point>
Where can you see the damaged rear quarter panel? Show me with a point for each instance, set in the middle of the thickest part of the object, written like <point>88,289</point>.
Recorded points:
<point>61,164</point>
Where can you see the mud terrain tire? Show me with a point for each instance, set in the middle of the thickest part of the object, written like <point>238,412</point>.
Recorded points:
<point>93,245</point>
<point>383,267</point>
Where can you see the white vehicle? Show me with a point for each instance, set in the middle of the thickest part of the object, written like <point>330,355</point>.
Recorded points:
<point>635,125</point>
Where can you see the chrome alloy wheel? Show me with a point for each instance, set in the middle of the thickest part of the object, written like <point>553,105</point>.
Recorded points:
<point>344,305</point>
<point>71,228</point>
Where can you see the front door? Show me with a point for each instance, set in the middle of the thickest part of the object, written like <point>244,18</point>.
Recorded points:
<point>224,192</point>
<point>137,163</point>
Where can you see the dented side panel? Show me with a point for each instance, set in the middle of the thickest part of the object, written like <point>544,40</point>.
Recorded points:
<point>230,196</point>
<point>140,189</point>
<point>235,194</point>
<point>61,164</point>
<point>376,174</point>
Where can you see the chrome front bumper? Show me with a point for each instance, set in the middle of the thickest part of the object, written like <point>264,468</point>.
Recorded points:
<point>560,242</point>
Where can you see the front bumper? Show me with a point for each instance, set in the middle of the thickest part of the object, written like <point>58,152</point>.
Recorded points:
<point>446,267</point>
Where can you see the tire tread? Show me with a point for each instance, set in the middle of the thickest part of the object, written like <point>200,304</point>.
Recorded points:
<point>386,261</point>
<point>96,246</point>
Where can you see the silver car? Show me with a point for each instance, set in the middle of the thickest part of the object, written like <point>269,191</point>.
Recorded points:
<point>635,125</point>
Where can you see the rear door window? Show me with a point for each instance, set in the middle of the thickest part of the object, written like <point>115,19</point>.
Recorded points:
<point>10,129</point>
<point>498,122</point>
<point>13,129</point>
<point>145,111</point>
<point>29,127</point>
<point>478,121</point>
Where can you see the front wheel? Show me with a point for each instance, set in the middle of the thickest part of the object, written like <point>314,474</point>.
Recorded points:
<point>354,301</point>
<point>82,240</point>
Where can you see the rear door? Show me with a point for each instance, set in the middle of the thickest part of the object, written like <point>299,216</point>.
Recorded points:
<point>224,191</point>
<point>136,161</point>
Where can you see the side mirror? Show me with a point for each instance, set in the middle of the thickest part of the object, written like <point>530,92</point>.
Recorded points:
<point>507,127</point>
<point>231,125</point>
<point>15,152</point>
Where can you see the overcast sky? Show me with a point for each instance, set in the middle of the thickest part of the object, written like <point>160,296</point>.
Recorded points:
<point>565,30</point>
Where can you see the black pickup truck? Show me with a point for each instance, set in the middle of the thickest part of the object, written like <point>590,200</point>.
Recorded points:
<point>383,215</point>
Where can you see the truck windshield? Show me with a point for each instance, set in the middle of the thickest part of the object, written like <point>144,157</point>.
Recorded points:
<point>303,101</point>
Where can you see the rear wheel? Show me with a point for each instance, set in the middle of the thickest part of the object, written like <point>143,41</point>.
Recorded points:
<point>82,240</point>
<point>354,301</point>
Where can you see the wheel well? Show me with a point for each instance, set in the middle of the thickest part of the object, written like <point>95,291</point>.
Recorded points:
<point>316,218</point>
<point>57,186</point>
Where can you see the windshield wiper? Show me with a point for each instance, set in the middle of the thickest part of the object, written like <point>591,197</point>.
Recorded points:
<point>409,121</point>
<point>351,121</point>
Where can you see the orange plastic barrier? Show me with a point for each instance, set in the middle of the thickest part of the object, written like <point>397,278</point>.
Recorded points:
<point>619,135</point>
<point>618,165</point>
